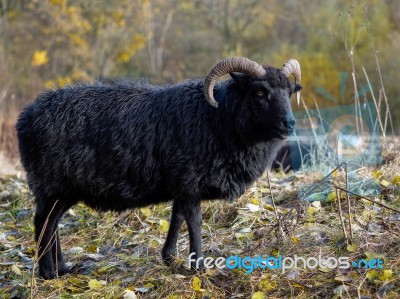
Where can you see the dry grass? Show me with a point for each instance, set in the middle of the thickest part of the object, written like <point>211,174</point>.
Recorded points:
<point>111,253</point>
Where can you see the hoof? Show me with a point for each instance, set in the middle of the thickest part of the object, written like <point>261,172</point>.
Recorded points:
<point>169,260</point>
<point>47,274</point>
<point>62,270</point>
<point>197,266</point>
<point>169,255</point>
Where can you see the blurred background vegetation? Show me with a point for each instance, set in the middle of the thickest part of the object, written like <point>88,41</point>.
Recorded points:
<point>49,43</point>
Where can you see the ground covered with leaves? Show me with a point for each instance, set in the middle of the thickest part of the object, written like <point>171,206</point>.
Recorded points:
<point>118,255</point>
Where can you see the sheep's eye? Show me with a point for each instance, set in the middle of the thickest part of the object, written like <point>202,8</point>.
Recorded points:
<point>260,93</point>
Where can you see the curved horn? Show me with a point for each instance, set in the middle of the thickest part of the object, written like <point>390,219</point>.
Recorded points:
<point>229,65</point>
<point>292,66</point>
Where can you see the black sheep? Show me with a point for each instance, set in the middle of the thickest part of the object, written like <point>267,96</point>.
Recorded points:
<point>126,145</point>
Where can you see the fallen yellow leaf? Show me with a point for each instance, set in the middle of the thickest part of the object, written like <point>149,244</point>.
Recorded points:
<point>145,211</point>
<point>386,275</point>
<point>331,196</point>
<point>258,295</point>
<point>294,239</point>
<point>196,283</point>
<point>376,174</point>
<point>385,183</point>
<point>16,270</point>
<point>311,210</point>
<point>352,247</point>
<point>164,226</point>
<point>267,284</point>
<point>371,274</point>
<point>94,284</point>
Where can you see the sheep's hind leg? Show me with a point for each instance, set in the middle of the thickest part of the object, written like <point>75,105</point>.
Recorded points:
<point>56,249</point>
<point>58,258</point>
<point>169,249</point>
<point>48,213</point>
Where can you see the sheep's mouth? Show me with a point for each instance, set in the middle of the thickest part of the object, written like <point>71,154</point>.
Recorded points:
<point>282,132</point>
<point>282,136</point>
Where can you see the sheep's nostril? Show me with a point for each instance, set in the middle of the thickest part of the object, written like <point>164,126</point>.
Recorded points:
<point>290,123</point>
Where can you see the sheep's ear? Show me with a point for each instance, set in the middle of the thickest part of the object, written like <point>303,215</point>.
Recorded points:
<point>297,88</point>
<point>241,79</point>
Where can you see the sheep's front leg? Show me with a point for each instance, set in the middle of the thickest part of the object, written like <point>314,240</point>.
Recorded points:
<point>191,212</point>
<point>193,219</point>
<point>169,249</point>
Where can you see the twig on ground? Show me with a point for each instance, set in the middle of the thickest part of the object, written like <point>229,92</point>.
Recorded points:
<point>341,216</point>
<point>369,199</point>
<point>278,220</point>
<point>348,201</point>
<point>359,287</point>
